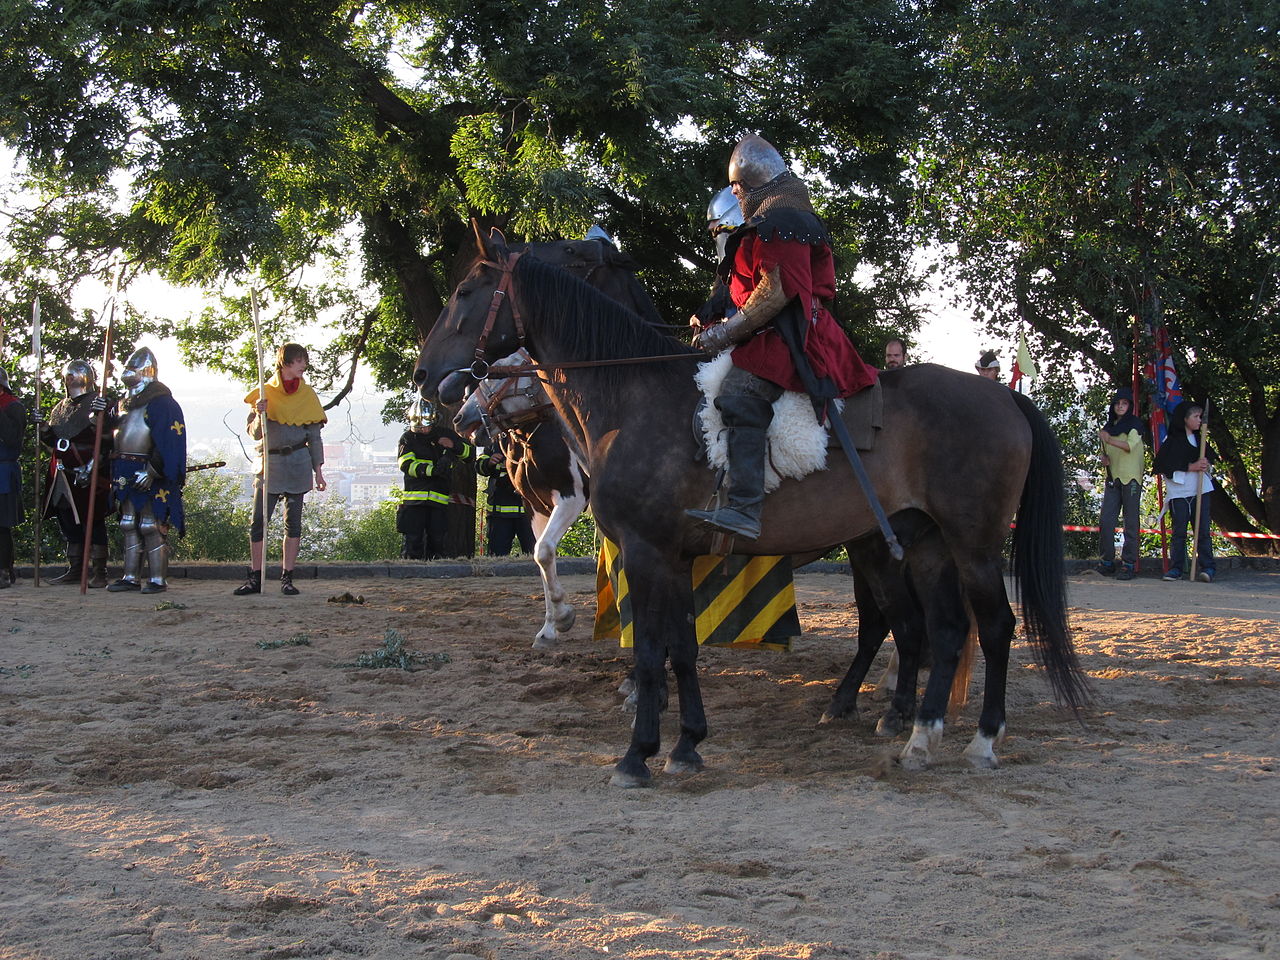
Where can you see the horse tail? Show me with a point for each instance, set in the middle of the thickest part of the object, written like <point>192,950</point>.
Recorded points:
<point>964,674</point>
<point>1038,563</point>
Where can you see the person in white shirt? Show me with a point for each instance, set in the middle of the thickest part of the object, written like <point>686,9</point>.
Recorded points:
<point>1187,475</point>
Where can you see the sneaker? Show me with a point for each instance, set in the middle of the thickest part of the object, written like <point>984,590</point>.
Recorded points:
<point>155,586</point>
<point>1125,572</point>
<point>1172,574</point>
<point>122,585</point>
<point>1106,569</point>
<point>1205,576</point>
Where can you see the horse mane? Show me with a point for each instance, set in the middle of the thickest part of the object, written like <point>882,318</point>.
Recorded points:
<point>589,325</point>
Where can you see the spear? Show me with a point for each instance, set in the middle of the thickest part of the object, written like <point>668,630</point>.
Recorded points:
<point>110,310</point>
<point>1204,441</point>
<point>262,420</point>
<point>37,351</point>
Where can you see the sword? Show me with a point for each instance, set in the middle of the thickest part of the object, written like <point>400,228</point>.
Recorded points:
<point>192,468</point>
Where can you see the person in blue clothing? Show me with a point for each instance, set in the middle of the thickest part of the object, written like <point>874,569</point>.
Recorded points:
<point>13,424</point>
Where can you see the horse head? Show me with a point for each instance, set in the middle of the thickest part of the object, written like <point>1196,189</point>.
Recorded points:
<point>476,326</point>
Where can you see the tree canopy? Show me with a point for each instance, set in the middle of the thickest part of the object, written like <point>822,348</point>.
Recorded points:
<point>1081,163</point>
<point>334,152</point>
<point>1092,164</point>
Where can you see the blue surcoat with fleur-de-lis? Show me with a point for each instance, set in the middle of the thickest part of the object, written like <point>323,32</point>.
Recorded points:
<point>167,457</point>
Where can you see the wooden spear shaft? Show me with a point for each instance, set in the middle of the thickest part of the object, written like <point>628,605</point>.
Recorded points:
<point>37,351</point>
<point>99,421</point>
<point>262,422</point>
<point>1204,442</point>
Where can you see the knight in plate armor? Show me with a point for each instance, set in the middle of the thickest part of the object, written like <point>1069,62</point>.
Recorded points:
<point>781,278</point>
<point>69,433</point>
<point>148,471</point>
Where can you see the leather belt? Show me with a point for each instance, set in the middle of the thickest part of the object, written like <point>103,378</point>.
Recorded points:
<point>283,451</point>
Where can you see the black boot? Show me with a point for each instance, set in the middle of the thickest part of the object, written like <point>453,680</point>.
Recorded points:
<point>253,584</point>
<point>286,584</point>
<point>75,559</point>
<point>747,420</point>
<point>97,567</point>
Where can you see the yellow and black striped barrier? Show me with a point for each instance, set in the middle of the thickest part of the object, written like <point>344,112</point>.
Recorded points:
<point>737,601</point>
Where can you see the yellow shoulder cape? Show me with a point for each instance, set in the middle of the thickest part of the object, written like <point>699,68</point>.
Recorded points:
<point>296,409</point>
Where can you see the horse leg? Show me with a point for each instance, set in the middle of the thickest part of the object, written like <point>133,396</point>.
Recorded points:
<point>560,614</point>
<point>873,627</point>
<point>990,603</point>
<point>947,626</point>
<point>662,607</point>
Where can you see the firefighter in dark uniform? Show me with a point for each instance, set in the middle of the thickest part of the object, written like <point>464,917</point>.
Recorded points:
<point>508,517</point>
<point>69,433</point>
<point>427,454</point>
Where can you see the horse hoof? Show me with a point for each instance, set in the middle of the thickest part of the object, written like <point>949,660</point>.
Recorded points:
<point>679,767</point>
<point>890,725</point>
<point>565,622</point>
<point>544,642</point>
<point>981,762</point>
<point>981,751</point>
<point>629,704</point>
<point>630,781</point>
<point>914,760</point>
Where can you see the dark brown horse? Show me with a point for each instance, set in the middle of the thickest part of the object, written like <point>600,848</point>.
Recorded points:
<point>958,456</point>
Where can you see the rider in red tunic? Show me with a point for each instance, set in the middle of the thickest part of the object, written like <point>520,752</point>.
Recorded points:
<point>781,277</point>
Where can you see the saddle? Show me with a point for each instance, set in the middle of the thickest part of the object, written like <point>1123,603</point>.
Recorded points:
<point>798,444</point>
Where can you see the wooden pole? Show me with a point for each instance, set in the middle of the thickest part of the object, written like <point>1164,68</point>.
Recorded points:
<point>37,351</point>
<point>99,420</point>
<point>262,421</point>
<point>1204,442</point>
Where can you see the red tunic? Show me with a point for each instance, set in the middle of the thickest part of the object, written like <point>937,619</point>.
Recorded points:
<point>808,273</point>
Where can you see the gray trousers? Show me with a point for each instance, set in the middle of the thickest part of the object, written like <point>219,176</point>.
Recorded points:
<point>1117,497</point>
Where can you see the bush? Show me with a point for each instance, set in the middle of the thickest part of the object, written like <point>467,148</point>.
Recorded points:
<point>217,520</point>
<point>369,535</point>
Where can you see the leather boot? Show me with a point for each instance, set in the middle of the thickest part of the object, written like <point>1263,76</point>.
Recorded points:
<point>252,584</point>
<point>286,584</point>
<point>747,420</point>
<point>75,558</point>
<point>97,567</point>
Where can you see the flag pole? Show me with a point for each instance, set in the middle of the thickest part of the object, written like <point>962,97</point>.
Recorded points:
<point>262,421</point>
<point>37,351</point>
<point>110,310</point>
<point>1204,442</point>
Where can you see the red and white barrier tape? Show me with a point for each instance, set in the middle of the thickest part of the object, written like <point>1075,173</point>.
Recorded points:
<point>1070,528</point>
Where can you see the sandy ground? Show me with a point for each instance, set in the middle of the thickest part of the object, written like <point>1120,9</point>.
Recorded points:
<point>170,789</point>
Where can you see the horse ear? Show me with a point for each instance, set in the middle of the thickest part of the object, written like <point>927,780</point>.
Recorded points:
<point>497,237</point>
<point>475,229</point>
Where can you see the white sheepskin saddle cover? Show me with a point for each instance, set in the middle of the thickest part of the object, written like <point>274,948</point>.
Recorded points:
<point>797,442</point>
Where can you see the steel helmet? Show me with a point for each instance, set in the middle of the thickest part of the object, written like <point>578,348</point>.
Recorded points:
<point>139,370</point>
<point>420,413</point>
<point>79,377</point>
<point>754,162</point>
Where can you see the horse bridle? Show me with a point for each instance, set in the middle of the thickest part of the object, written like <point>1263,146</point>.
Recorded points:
<point>502,292</point>
<point>481,369</point>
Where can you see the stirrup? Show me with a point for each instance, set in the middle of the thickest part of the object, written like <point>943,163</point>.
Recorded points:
<point>729,520</point>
